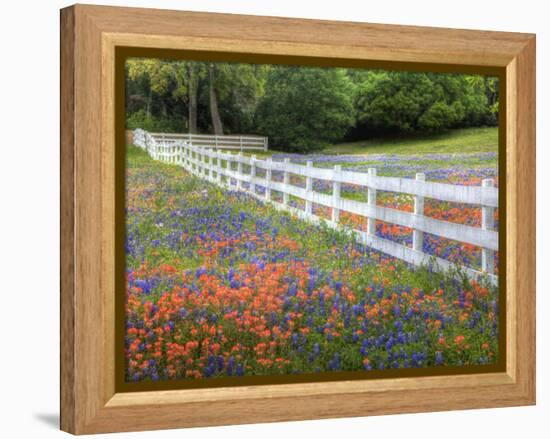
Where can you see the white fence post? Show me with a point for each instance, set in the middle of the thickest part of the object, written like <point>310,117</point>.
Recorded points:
<point>487,223</point>
<point>202,162</point>
<point>239,170</point>
<point>309,190</point>
<point>418,235</point>
<point>198,163</point>
<point>371,195</point>
<point>252,174</point>
<point>336,189</point>
<point>286,181</point>
<point>229,159</point>
<point>218,166</point>
<point>268,179</point>
<point>209,161</point>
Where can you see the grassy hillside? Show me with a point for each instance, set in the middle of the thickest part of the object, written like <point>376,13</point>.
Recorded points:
<point>455,141</point>
<point>463,140</point>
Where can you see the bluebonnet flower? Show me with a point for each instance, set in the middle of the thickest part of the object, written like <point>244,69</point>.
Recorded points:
<point>230,365</point>
<point>240,370</point>
<point>316,349</point>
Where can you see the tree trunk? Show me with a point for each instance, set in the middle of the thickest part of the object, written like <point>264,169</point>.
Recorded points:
<point>214,112</point>
<point>149,99</point>
<point>192,88</point>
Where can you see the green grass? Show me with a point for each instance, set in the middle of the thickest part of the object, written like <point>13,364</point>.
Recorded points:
<point>466,140</point>
<point>455,141</point>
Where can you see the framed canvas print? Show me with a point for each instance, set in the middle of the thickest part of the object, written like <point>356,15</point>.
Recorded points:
<point>269,219</point>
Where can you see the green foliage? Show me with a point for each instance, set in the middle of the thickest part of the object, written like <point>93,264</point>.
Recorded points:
<point>155,94</point>
<point>441,115</point>
<point>303,109</point>
<point>151,123</point>
<point>239,88</point>
<point>421,102</point>
<point>163,76</point>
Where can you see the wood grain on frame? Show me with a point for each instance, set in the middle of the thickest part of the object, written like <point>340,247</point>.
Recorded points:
<point>90,35</point>
<point>68,366</point>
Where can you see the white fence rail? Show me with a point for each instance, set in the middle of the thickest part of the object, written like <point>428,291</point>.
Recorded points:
<point>240,143</point>
<point>208,163</point>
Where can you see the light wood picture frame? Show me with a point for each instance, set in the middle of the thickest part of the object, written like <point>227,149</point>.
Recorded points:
<point>90,38</point>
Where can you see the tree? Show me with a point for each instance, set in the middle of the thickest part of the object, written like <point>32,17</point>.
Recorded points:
<point>164,80</point>
<point>195,72</point>
<point>489,86</point>
<point>402,102</point>
<point>232,94</point>
<point>240,88</point>
<point>213,100</point>
<point>305,108</point>
<point>302,108</point>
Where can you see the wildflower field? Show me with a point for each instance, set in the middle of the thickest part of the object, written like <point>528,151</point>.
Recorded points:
<point>221,284</point>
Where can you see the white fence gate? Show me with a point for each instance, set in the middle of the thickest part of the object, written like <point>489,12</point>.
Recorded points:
<point>208,163</point>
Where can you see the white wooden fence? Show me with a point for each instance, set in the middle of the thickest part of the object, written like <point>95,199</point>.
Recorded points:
<point>240,143</point>
<point>226,169</point>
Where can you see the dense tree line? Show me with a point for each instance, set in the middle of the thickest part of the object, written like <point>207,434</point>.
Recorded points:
<point>302,108</point>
